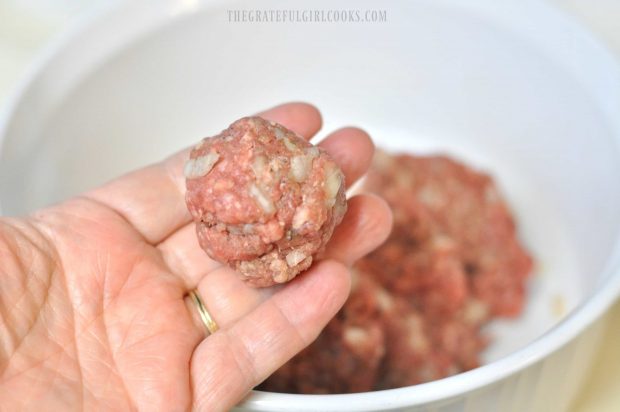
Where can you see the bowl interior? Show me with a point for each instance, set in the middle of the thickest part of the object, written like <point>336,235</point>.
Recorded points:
<point>432,78</point>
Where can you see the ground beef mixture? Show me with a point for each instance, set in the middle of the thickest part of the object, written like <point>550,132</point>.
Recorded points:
<point>265,201</point>
<point>451,264</point>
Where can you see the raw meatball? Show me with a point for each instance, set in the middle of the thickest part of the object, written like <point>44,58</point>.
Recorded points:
<point>265,201</point>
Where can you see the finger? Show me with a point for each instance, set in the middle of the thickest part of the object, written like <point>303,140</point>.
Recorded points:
<point>229,363</point>
<point>352,149</point>
<point>222,290</point>
<point>226,297</point>
<point>365,226</point>
<point>152,199</point>
<point>185,257</point>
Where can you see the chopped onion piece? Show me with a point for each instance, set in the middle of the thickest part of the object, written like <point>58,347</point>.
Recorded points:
<point>300,167</point>
<point>332,183</point>
<point>289,145</point>
<point>278,132</point>
<point>200,166</point>
<point>312,151</point>
<point>301,216</point>
<point>295,257</point>
<point>258,165</point>
<point>355,336</point>
<point>263,201</point>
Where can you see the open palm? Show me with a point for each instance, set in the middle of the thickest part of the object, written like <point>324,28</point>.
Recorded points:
<point>94,311</point>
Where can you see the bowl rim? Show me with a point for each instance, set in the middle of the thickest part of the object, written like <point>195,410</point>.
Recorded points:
<point>106,19</point>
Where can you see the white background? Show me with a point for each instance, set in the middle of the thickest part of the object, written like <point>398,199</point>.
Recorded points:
<point>26,26</point>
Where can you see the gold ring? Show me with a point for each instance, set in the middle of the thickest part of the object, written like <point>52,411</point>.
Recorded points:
<point>206,318</point>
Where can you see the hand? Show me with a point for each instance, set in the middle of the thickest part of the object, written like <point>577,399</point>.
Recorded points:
<point>94,312</point>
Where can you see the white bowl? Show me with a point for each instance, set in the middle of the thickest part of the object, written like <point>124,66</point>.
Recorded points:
<point>515,88</point>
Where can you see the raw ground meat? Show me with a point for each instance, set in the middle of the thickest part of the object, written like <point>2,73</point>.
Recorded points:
<point>347,354</point>
<point>452,263</point>
<point>453,236</point>
<point>265,201</point>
